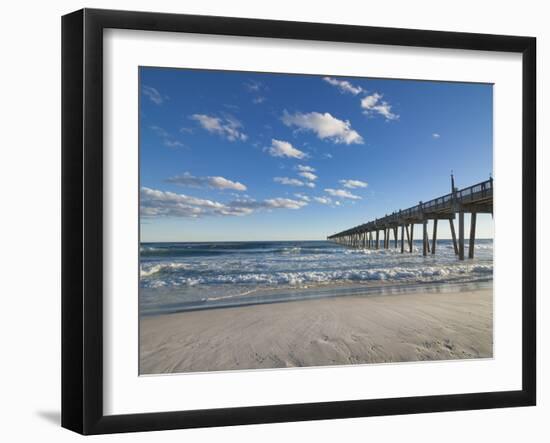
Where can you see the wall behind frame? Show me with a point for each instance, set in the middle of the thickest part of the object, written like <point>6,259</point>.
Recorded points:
<point>30,227</point>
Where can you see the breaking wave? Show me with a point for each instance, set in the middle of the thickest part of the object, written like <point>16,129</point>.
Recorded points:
<point>189,273</point>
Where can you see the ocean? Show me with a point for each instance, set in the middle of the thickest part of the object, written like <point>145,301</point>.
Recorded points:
<point>177,277</point>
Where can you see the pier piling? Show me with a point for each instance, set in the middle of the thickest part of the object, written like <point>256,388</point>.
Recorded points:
<point>461,235</point>
<point>425,237</point>
<point>472,235</point>
<point>453,235</point>
<point>434,237</point>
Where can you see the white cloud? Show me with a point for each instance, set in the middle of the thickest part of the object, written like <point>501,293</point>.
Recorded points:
<point>373,104</point>
<point>155,203</point>
<point>270,203</point>
<point>325,126</point>
<point>214,182</point>
<point>223,183</point>
<point>286,203</point>
<point>308,175</point>
<point>302,197</point>
<point>370,100</point>
<point>323,200</point>
<point>254,86</point>
<point>167,139</point>
<point>352,184</point>
<point>153,94</point>
<point>342,193</point>
<point>344,86</point>
<point>327,155</point>
<point>160,131</point>
<point>436,135</point>
<point>288,181</point>
<point>280,148</point>
<point>304,168</point>
<point>173,143</point>
<point>293,182</point>
<point>211,124</point>
<point>228,127</point>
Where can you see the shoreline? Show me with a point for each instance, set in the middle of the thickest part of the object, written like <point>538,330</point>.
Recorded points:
<point>352,329</point>
<point>269,295</point>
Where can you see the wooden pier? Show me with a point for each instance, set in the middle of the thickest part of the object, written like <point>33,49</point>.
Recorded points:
<point>475,199</point>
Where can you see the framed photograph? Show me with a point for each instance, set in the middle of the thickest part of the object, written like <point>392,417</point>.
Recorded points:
<point>269,221</point>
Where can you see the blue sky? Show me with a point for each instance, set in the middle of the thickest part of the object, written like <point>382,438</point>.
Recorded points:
<point>254,156</point>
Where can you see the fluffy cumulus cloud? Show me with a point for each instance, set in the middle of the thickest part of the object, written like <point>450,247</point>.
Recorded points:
<point>153,94</point>
<point>280,148</point>
<point>285,203</point>
<point>352,184</point>
<point>342,193</point>
<point>308,175</point>
<point>436,135</point>
<point>214,182</point>
<point>293,182</point>
<point>344,86</point>
<point>373,104</point>
<point>155,203</point>
<point>268,204</point>
<point>323,200</point>
<point>325,126</point>
<point>307,172</point>
<point>302,197</point>
<point>227,127</point>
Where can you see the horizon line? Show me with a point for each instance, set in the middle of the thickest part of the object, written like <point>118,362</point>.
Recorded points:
<point>302,240</point>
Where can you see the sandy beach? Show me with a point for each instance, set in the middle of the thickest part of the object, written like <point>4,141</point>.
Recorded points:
<point>330,331</point>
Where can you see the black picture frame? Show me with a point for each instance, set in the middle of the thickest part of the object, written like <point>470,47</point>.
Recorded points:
<point>82,218</point>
